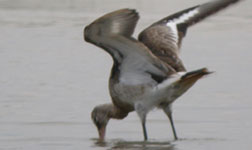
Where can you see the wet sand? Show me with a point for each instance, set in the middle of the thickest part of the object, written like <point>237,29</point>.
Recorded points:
<point>50,80</point>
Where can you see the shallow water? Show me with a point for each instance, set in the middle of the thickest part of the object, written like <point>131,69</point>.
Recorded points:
<point>50,79</point>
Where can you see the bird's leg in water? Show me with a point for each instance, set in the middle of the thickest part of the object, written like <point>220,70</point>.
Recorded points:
<point>168,112</point>
<point>142,111</point>
<point>144,129</point>
<point>172,125</point>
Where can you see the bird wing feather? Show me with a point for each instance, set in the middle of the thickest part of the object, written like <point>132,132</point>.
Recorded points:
<point>136,63</point>
<point>164,37</point>
<point>121,22</point>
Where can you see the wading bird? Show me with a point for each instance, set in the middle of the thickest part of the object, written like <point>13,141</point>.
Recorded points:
<point>147,73</point>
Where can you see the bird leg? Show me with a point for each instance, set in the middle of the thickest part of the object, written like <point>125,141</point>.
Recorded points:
<point>144,129</point>
<point>168,112</point>
<point>142,111</point>
<point>172,125</point>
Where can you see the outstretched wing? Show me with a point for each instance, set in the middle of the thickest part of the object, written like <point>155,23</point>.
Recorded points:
<point>164,37</point>
<point>121,22</point>
<point>132,59</point>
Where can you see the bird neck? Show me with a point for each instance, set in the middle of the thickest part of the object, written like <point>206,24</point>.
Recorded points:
<point>115,112</point>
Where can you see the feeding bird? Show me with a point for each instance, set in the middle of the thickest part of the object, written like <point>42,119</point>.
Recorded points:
<point>147,73</point>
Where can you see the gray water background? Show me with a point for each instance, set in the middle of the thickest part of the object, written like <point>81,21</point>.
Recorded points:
<point>50,79</point>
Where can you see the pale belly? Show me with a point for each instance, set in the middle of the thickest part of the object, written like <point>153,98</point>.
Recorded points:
<point>130,93</point>
<point>148,95</point>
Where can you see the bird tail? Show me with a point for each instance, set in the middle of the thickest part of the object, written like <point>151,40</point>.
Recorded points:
<point>196,74</point>
<point>174,89</point>
<point>191,77</point>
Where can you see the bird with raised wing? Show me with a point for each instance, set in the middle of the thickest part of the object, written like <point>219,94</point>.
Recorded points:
<point>146,73</point>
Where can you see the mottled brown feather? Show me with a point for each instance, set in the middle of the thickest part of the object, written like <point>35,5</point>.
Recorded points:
<point>158,36</point>
<point>159,39</point>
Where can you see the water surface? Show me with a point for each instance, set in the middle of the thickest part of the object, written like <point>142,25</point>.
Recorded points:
<point>50,79</point>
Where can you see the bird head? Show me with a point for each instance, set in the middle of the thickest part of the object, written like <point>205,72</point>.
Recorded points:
<point>100,117</point>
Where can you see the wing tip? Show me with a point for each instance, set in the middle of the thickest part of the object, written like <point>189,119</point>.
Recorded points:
<point>122,21</point>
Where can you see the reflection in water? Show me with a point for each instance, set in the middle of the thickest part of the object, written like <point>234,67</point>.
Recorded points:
<point>134,145</point>
<point>142,145</point>
<point>119,144</point>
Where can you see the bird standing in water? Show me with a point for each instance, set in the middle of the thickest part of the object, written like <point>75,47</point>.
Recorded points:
<point>147,73</point>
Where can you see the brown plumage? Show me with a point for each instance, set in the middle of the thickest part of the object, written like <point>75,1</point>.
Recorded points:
<point>159,37</point>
